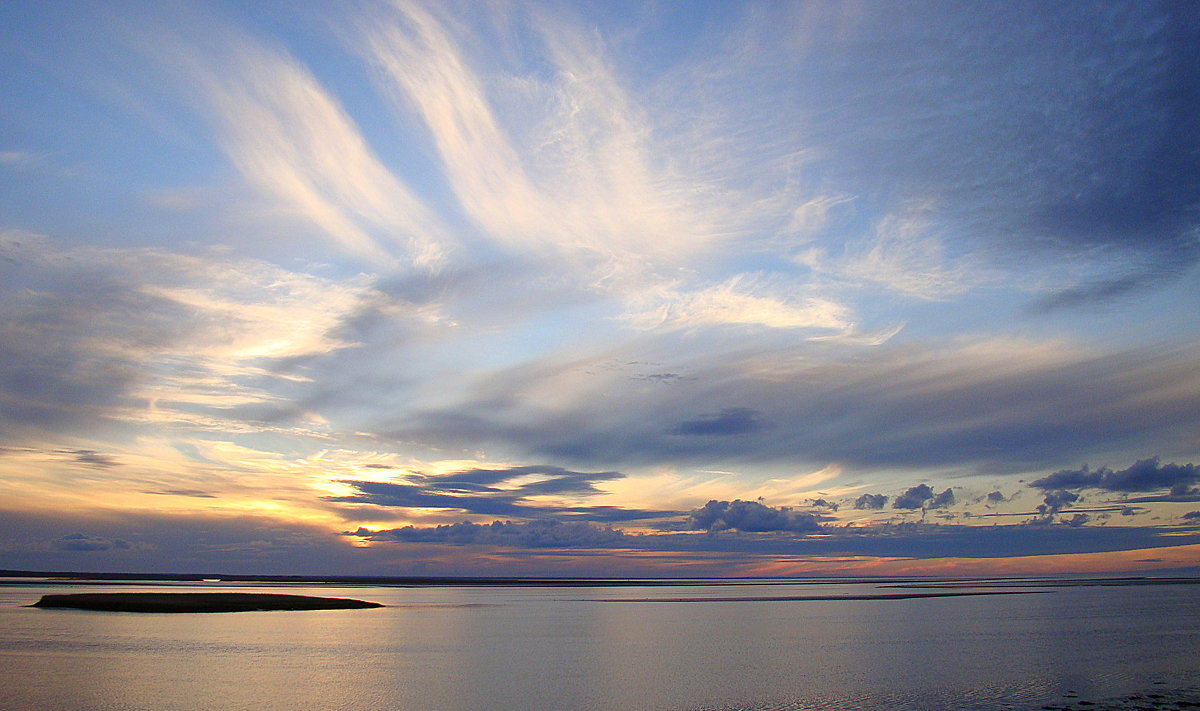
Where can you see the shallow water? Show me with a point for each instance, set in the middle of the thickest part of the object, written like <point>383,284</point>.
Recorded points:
<point>501,648</point>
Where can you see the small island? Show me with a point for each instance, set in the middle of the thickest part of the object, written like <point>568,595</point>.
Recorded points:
<point>198,602</point>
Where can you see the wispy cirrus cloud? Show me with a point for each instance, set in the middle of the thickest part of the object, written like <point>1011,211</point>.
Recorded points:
<point>582,181</point>
<point>740,301</point>
<point>901,255</point>
<point>292,140</point>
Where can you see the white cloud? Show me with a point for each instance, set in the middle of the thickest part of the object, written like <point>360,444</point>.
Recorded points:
<point>563,167</point>
<point>293,141</point>
<point>18,157</point>
<point>740,301</point>
<point>191,335</point>
<point>902,254</point>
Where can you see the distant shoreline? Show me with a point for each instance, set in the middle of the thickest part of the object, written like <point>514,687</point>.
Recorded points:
<point>198,602</point>
<point>812,598</point>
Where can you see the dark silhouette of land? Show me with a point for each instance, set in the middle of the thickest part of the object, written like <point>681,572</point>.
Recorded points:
<point>812,598</point>
<point>198,602</point>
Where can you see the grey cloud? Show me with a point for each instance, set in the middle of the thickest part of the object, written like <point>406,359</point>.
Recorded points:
<point>749,516</point>
<point>496,492</point>
<point>557,480</point>
<point>1162,498</point>
<point>1091,293</point>
<point>995,497</point>
<point>1056,500</point>
<point>1169,267</point>
<point>391,321</point>
<point>247,544</point>
<point>1143,475</point>
<point>942,500</point>
<point>93,458</point>
<point>83,328</point>
<point>659,377</point>
<point>913,498</point>
<point>176,543</point>
<point>729,421</point>
<point>894,406</point>
<point>65,337</point>
<point>1077,520</point>
<point>1069,479</point>
<point>922,497</point>
<point>1022,168</point>
<point>407,495</point>
<point>870,501</point>
<point>194,493</point>
<point>1148,474</point>
<point>1191,515</point>
<point>80,542</point>
<point>532,534</point>
<point>912,540</point>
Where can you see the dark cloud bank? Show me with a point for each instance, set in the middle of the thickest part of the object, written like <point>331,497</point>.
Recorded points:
<point>753,527</point>
<point>534,534</point>
<point>496,492</point>
<point>910,540</point>
<point>1143,475</point>
<point>750,516</point>
<point>922,497</point>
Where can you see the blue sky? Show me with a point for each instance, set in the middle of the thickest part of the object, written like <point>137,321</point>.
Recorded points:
<point>664,288</point>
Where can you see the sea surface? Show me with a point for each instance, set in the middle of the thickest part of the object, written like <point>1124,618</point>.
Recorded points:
<point>706,646</point>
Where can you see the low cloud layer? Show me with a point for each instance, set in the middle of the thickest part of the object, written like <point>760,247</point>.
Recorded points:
<point>750,516</point>
<point>870,501</point>
<point>496,492</point>
<point>1042,536</point>
<point>922,496</point>
<point>1144,475</point>
<point>533,534</point>
<point>1056,500</point>
<point>81,542</point>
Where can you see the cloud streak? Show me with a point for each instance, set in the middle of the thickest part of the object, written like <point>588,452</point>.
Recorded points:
<point>293,141</point>
<point>516,492</point>
<point>580,181</point>
<point>990,404</point>
<point>106,335</point>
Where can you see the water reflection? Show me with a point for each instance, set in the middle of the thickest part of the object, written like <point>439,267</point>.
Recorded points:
<point>553,648</point>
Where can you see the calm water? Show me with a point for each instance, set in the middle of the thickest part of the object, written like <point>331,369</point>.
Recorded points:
<point>559,649</point>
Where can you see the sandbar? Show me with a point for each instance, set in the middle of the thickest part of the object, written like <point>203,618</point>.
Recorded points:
<point>198,602</point>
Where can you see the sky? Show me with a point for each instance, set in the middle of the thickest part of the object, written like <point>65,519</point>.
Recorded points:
<point>600,289</point>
